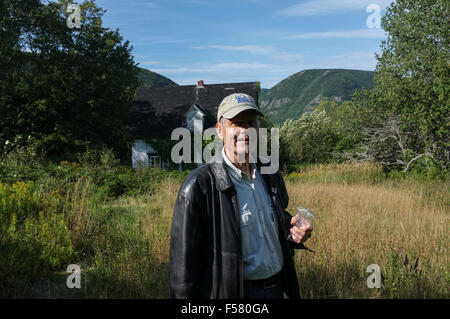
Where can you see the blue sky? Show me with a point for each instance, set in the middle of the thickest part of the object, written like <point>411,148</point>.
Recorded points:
<point>223,41</point>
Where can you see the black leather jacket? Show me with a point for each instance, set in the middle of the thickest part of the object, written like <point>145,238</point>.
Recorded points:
<point>205,246</point>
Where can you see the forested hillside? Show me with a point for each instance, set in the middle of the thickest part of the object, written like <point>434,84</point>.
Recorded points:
<point>149,78</point>
<point>302,91</point>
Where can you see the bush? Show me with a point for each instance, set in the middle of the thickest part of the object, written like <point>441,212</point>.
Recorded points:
<point>310,139</point>
<point>21,163</point>
<point>34,236</point>
<point>101,166</point>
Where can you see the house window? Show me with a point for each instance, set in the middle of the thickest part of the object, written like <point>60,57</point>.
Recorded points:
<point>154,161</point>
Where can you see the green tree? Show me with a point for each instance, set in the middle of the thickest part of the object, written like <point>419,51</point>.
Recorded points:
<point>413,76</point>
<point>310,139</point>
<point>70,89</point>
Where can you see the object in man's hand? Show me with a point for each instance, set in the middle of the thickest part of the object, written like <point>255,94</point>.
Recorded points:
<point>304,217</point>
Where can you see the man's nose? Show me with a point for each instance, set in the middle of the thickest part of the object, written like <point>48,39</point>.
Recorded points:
<point>244,126</point>
<point>243,130</point>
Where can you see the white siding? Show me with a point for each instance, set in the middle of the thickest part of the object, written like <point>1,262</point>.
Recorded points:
<point>194,120</point>
<point>139,153</point>
<point>194,123</point>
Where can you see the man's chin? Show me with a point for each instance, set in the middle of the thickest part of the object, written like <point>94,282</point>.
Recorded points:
<point>241,156</point>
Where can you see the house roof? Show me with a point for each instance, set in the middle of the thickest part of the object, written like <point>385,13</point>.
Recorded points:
<point>157,111</point>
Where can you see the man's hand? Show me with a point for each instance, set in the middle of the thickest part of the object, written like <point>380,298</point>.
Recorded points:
<point>300,231</point>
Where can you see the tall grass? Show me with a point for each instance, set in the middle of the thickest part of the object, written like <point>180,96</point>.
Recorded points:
<point>367,173</point>
<point>402,226</point>
<point>115,223</point>
<point>136,263</point>
<point>34,238</point>
<point>57,214</point>
<point>398,229</point>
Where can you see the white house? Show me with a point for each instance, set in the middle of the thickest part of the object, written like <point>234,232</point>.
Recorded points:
<point>157,111</point>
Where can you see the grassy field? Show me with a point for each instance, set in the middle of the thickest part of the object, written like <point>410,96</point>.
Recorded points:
<point>122,242</point>
<point>358,225</point>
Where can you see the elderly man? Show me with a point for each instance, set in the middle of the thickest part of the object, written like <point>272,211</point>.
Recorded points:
<point>231,237</point>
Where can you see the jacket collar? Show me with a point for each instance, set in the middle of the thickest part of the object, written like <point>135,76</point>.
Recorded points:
<point>218,169</point>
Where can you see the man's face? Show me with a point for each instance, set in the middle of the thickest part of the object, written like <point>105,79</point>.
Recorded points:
<point>233,132</point>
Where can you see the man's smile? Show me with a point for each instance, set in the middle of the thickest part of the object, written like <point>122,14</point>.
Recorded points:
<point>242,139</point>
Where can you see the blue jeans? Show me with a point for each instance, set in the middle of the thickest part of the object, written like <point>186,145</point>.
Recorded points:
<point>255,291</point>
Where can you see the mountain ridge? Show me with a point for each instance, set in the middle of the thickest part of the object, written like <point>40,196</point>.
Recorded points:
<point>302,91</point>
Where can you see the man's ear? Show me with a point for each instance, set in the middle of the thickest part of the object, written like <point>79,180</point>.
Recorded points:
<point>220,130</point>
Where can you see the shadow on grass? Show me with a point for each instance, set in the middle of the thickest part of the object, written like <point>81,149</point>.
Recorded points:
<point>99,283</point>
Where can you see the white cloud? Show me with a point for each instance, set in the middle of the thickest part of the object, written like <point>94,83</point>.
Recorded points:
<point>268,74</point>
<point>316,7</point>
<point>228,72</point>
<point>253,49</point>
<point>349,34</point>
<point>224,68</point>
<point>158,40</point>
<point>267,51</point>
<point>149,63</point>
<point>355,61</point>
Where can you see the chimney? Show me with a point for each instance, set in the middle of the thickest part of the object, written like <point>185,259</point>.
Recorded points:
<point>200,84</point>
